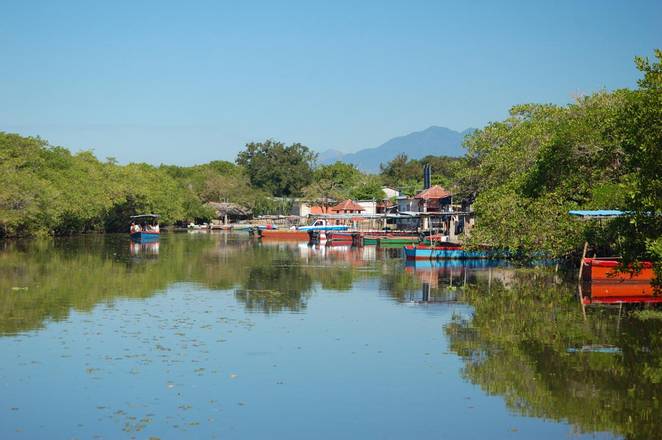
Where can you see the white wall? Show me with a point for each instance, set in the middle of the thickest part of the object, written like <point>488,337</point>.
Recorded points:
<point>407,204</point>
<point>390,192</point>
<point>370,206</point>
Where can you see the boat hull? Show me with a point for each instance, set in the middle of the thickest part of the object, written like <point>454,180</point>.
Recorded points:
<point>397,241</point>
<point>144,236</point>
<point>596,269</point>
<point>323,228</point>
<point>604,284</point>
<point>283,234</point>
<point>442,253</point>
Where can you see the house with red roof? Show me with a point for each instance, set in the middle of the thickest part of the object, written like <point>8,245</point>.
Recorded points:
<point>347,207</point>
<point>434,199</point>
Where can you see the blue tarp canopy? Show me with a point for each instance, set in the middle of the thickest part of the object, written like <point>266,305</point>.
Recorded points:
<point>600,213</point>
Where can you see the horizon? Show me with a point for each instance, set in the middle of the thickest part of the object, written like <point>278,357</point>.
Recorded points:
<point>188,85</point>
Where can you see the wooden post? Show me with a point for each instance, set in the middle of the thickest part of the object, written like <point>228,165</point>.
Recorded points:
<point>581,263</point>
<point>579,280</point>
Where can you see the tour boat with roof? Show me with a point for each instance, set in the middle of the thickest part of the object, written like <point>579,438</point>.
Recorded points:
<point>145,227</point>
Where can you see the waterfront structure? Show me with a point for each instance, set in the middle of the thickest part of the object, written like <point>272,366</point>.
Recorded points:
<point>347,207</point>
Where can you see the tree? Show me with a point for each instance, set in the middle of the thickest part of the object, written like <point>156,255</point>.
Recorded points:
<point>638,130</point>
<point>407,174</point>
<point>331,183</point>
<point>279,169</point>
<point>368,188</point>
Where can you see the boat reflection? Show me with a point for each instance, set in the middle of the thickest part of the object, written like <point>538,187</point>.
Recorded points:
<point>144,249</point>
<point>440,281</point>
<point>607,293</point>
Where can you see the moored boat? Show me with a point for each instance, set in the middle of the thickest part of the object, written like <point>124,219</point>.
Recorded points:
<point>396,241</point>
<point>606,269</point>
<point>604,283</point>
<point>449,251</point>
<point>283,234</point>
<point>145,227</point>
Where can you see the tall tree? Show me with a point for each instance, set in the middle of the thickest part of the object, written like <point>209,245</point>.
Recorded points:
<point>282,170</point>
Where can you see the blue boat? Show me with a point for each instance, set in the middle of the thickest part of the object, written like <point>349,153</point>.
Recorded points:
<point>440,264</point>
<point>453,252</point>
<point>322,225</point>
<point>144,228</point>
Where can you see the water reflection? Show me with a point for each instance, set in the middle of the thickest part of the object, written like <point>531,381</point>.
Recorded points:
<point>519,333</point>
<point>43,281</point>
<point>147,249</point>
<point>526,342</point>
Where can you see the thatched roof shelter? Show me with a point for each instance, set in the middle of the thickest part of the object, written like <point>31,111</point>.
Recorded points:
<point>232,211</point>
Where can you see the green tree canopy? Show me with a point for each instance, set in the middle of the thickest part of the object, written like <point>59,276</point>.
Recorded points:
<point>279,169</point>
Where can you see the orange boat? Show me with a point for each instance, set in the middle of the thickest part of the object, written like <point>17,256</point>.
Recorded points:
<point>606,269</point>
<point>609,286</point>
<point>283,234</point>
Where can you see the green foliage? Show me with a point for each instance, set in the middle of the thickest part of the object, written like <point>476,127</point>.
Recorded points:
<point>48,190</point>
<point>331,183</point>
<point>407,174</point>
<point>638,130</point>
<point>602,152</point>
<point>341,181</point>
<point>367,188</point>
<point>277,168</point>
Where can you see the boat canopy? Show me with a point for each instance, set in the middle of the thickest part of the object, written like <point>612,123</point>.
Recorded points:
<point>145,216</point>
<point>599,213</point>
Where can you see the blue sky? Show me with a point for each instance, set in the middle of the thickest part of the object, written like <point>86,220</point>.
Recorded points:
<point>188,82</point>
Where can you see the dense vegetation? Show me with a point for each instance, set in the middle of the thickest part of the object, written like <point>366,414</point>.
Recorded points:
<point>407,174</point>
<point>46,189</point>
<point>602,152</point>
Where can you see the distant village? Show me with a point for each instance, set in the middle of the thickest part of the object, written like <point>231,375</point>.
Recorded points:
<point>433,208</point>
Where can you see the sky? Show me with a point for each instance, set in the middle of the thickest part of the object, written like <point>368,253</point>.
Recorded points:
<point>189,82</point>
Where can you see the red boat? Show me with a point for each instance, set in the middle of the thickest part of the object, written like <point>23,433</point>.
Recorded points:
<point>606,269</point>
<point>606,285</point>
<point>283,234</point>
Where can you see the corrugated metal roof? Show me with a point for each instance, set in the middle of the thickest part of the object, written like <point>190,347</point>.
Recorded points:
<point>597,213</point>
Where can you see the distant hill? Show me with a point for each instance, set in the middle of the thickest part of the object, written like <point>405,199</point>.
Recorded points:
<point>438,141</point>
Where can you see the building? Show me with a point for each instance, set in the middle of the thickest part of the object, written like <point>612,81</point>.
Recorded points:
<point>347,207</point>
<point>434,199</point>
<point>230,212</point>
<point>407,204</point>
<point>390,193</point>
<point>369,206</point>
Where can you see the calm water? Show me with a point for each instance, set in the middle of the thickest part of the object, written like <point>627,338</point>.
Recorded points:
<point>214,336</point>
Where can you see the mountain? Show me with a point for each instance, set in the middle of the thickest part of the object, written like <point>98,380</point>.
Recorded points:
<point>329,156</point>
<point>438,141</point>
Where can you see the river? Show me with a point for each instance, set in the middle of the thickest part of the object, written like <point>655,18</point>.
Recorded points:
<point>219,336</point>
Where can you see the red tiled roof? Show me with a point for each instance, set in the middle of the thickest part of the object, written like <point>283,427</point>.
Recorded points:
<point>316,209</point>
<point>348,205</point>
<point>434,192</point>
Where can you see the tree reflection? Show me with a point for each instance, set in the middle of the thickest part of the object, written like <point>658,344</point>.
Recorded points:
<point>529,343</point>
<point>42,281</point>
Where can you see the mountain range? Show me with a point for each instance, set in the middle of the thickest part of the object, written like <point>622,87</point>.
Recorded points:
<point>437,141</point>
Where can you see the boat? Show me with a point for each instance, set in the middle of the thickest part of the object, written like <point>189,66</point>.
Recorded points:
<point>606,269</point>
<point>302,233</point>
<point>605,284</point>
<point>601,281</point>
<point>396,241</point>
<point>389,237</point>
<point>322,225</point>
<point>340,235</point>
<point>448,251</point>
<point>145,227</point>
<point>283,234</point>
